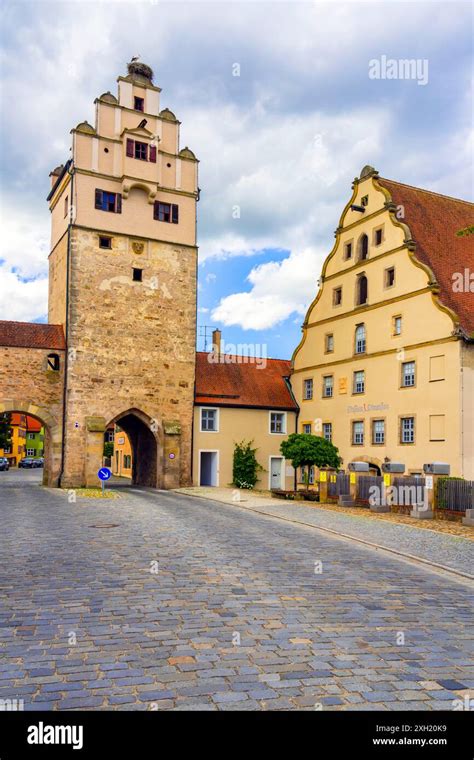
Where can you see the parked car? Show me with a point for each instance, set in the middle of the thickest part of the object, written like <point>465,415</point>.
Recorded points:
<point>40,462</point>
<point>4,463</point>
<point>29,462</point>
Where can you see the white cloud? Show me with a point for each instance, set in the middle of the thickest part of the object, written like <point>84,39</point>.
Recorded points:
<point>22,301</point>
<point>279,289</point>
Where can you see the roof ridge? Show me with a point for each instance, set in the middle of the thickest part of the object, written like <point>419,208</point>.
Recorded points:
<point>244,356</point>
<point>424,190</point>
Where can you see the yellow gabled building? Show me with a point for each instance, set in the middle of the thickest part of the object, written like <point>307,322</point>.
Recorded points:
<point>385,367</point>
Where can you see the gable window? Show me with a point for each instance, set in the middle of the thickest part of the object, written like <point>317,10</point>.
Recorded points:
<point>137,274</point>
<point>358,433</point>
<point>364,201</point>
<point>66,205</point>
<point>407,430</point>
<point>408,374</point>
<point>378,431</point>
<point>308,389</point>
<point>209,420</point>
<point>337,296</point>
<point>359,382</point>
<point>106,201</point>
<point>105,242</point>
<point>141,150</point>
<point>363,247</point>
<point>278,422</point>
<point>397,325</point>
<point>327,431</point>
<point>360,341</point>
<point>361,290</point>
<point>329,343</point>
<point>390,277</point>
<point>328,386</point>
<point>378,236</point>
<point>348,251</point>
<point>139,104</point>
<point>53,362</point>
<point>307,428</point>
<point>166,212</point>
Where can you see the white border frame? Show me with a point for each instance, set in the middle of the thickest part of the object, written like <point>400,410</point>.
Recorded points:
<point>285,416</point>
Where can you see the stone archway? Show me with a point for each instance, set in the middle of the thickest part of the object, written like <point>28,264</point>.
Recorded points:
<point>143,434</point>
<point>375,464</point>
<point>52,436</point>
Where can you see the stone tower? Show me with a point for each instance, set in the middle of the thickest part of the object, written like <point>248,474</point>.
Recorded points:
<point>123,284</point>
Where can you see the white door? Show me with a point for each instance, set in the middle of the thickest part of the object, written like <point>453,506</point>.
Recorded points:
<point>276,472</point>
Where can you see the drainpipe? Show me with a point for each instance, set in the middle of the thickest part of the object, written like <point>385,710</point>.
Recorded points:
<point>66,329</point>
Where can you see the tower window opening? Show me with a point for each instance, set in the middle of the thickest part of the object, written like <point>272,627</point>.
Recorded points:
<point>137,274</point>
<point>105,242</point>
<point>139,104</point>
<point>53,362</point>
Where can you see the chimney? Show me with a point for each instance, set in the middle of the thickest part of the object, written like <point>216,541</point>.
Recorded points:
<point>216,342</point>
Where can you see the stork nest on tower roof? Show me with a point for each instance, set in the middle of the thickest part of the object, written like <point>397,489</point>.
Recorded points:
<point>136,68</point>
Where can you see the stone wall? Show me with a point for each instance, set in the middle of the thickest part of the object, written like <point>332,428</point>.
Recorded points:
<point>28,386</point>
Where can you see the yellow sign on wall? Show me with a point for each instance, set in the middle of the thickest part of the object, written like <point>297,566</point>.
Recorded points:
<point>343,385</point>
<point>352,477</point>
<point>322,477</point>
<point>386,479</point>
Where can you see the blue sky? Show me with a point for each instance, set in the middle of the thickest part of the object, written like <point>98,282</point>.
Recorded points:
<point>282,141</point>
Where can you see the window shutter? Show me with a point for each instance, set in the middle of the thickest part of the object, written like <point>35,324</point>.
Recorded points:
<point>153,154</point>
<point>118,203</point>
<point>130,147</point>
<point>98,198</point>
<point>174,213</point>
<point>156,205</point>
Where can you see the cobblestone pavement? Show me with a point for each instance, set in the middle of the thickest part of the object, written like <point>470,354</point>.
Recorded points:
<point>452,551</point>
<point>244,612</point>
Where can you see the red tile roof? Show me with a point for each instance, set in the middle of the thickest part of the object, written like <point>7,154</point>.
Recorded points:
<point>233,383</point>
<point>433,221</point>
<point>32,424</point>
<point>31,335</point>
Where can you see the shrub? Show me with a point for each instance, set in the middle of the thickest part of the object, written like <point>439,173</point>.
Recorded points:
<point>245,466</point>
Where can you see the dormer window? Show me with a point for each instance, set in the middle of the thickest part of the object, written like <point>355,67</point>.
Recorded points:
<point>139,104</point>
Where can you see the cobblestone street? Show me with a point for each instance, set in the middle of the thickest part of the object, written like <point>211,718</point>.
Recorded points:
<point>164,601</point>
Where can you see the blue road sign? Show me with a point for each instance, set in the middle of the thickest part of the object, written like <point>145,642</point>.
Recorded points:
<point>104,473</point>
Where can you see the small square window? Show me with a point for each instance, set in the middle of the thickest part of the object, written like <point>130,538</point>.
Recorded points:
<point>105,242</point>
<point>337,296</point>
<point>141,151</point>
<point>378,237</point>
<point>277,422</point>
<point>348,251</point>
<point>137,274</point>
<point>209,420</point>
<point>390,277</point>
<point>307,428</point>
<point>139,104</point>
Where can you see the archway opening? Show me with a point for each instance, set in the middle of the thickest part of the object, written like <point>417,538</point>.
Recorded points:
<point>25,449</point>
<point>134,451</point>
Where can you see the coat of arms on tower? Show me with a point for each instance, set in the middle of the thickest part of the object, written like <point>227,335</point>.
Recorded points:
<point>138,247</point>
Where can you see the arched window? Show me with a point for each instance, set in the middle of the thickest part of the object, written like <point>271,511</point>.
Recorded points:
<point>360,339</point>
<point>363,247</point>
<point>362,290</point>
<point>53,362</point>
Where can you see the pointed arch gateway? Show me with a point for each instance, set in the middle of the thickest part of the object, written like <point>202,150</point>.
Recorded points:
<point>144,434</point>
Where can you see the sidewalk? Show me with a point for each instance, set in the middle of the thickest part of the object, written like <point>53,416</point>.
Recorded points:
<point>446,544</point>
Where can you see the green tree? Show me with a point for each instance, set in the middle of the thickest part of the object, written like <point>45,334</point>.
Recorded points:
<point>245,466</point>
<point>305,450</point>
<point>108,449</point>
<point>5,430</point>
